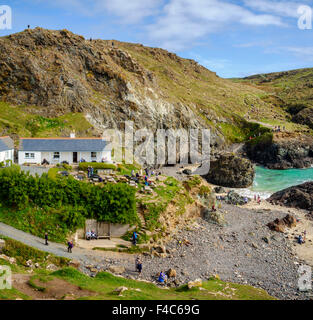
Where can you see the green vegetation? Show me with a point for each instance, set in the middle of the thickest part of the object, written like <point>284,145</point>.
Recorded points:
<point>104,284</point>
<point>96,165</point>
<point>259,143</point>
<point>126,169</point>
<point>242,130</point>
<point>61,204</point>
<point>290,90</point>
<point>192,182</point>
<point>23,121</point>
<point>172,191</point>
<point>23,253</point>
<point>58,222</point>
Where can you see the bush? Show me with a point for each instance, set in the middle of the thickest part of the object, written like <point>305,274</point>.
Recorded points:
<point>111,203</point>
<point>96,165</point>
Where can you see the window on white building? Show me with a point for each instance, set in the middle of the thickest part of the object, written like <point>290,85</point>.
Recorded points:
<point>56,155</point>
<point>7,154</point>
<point>93,154</point>
<point>29,156</point>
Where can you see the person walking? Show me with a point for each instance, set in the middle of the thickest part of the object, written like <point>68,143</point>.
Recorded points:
<point>134,238</point>
<point>70,246</point>
<point>46,239</point>
<point>139,266</point>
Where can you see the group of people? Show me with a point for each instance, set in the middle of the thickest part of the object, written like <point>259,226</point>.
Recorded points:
<point>257,199</point>
<point>90,172</point>
<point>91,235</point>
<point>70,243</point>
<point>162,278</point>
<point>278,129</point>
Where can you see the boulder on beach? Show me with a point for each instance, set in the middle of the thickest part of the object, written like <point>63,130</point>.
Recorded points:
<point>279,225</point>
<point>234,198</point>
<point>300,196</point>
<point>231,171</point>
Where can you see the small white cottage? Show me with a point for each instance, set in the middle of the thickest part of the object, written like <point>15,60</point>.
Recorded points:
<point>57,150</point>
<point>6,149</point>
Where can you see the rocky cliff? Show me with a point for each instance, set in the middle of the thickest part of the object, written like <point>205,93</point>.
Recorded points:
<point>56,72</point>
<point>282,151</point>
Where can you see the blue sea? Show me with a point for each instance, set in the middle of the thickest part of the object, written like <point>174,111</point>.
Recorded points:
<point>267,182</point>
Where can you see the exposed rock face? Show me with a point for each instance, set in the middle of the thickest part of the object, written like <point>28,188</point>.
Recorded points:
<point>231,171</point>
<point>285,152</point>
<point>305,116</point>
<point>62,72</point>
<point>300,196</point>
<point>280,224</point>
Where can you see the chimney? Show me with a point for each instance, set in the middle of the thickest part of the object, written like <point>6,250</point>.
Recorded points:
<point>72,135</point>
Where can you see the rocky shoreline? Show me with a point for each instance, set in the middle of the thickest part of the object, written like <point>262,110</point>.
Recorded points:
<point>243,251</point>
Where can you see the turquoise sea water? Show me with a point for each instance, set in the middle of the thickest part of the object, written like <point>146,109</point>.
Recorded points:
<point>268,181</point>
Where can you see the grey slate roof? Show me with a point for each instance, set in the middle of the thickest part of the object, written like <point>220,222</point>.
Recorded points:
<point>65,144</point>
<point>6,143</point>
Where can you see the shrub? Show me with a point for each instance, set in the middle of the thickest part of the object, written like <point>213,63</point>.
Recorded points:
<point>111,203</point>
<point>96,165</point>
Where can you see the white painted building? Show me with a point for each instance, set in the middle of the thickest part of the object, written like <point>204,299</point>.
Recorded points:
<point>57,150</point>
<point>6,149</point>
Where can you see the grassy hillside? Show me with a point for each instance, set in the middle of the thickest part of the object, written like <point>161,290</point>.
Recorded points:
<point>287,89</point>
<point>59,73</point>
<point>28,122</point>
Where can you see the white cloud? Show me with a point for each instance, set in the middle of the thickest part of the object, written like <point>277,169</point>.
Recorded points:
<point>281,8</point>
<point>184,21</point>
<point>130,11</point>
<point>301,51</point>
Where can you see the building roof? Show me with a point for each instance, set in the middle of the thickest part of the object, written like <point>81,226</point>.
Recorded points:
<point>6,143</point>
<point>62,144</point>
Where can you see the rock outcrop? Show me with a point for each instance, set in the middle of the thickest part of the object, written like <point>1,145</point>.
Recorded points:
<point>300,196</point>
<point>279,225</point>
<point>231,171</point>
<point>305,116</point>
<point>285,151</point>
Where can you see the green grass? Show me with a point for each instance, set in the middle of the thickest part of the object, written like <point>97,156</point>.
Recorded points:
<point>37,221</point>
<point>23,253</point>
<point>23,121</point>
<point>105,283</point>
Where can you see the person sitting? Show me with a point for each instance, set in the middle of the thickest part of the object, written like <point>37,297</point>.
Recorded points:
<point>162,277</point>
<point>300,239</point>
<point>88,235</point>
<point>245,200</point>
<point>213,208</point>
<point>94,235</point>
<point>137,175</point>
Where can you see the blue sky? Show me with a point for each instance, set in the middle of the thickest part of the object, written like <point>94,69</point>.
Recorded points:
<point>231,38</point>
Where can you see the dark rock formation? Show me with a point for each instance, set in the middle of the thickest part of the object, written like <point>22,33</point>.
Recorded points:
<point>300,196</point>
<point>305,116</point>
<point>219,190</point>
<point>232,171</point>
<point>284,152</point>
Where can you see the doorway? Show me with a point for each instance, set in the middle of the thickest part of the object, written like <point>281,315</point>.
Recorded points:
<point>74,157</point>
